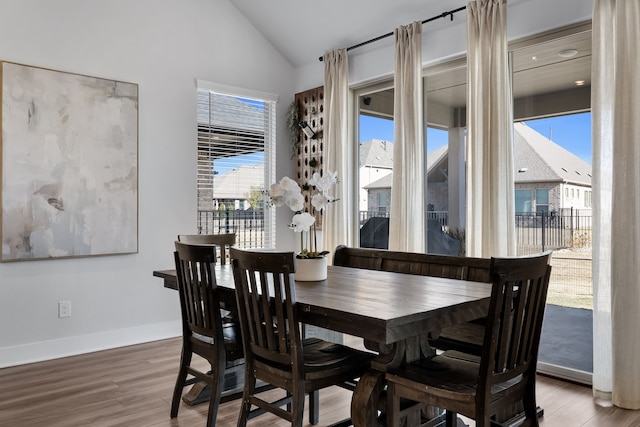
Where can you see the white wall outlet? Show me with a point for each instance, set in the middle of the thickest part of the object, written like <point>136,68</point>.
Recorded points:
<point>64,309</point>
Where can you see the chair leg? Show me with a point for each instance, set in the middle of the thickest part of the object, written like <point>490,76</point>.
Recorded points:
<point>393,407</point>
<point>297,414</point>
<point>530,406</point>
<point>185,360</point>
<point>314,405</point>
<point>452,419</point>
<point>217,384</point>
<point>249,390</point>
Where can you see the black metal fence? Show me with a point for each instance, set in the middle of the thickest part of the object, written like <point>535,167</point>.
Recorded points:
<point>248,225</point>
<point>567,228</point>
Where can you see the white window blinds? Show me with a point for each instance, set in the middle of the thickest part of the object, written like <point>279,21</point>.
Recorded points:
<point>236,150</point>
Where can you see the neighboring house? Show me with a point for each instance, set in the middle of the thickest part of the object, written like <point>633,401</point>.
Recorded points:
<point>233,189</point>
<point>376,162</point>
<point>548,178</point>
<point>379,192</point>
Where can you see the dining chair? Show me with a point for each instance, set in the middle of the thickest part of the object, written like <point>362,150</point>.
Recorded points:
<point>223,241</point>
<point>505,373</point>
<point>203,331</point>
<point>274,349</point>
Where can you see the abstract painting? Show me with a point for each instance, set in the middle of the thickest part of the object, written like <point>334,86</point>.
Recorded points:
<point>69,169</point>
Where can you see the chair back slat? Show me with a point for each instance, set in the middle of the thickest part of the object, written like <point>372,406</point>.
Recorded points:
<point>515,317</point>
<point>198,290</point>
<point>265,290</point>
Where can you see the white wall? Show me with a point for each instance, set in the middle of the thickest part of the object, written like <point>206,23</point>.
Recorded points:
<point>163,46</point>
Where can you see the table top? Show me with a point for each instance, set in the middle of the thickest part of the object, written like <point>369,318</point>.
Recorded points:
<point>380,306</point>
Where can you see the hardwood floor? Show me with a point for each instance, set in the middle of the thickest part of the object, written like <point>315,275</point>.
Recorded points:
<point>132,386</point>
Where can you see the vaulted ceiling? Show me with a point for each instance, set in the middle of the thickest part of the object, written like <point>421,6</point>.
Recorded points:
<point>302,30</point>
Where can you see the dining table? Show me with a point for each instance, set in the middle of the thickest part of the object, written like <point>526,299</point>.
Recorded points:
<point>392,312</point>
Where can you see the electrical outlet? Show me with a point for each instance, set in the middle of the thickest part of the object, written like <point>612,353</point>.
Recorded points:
<point>64,309</point>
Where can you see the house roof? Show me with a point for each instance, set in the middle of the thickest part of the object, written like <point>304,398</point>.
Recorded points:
<point>238,182</point>
<point>376,153</point>
<point>434,162</point>
<point>539,159</point>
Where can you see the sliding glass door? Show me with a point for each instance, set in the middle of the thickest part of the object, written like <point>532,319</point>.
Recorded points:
<point>552,155</point>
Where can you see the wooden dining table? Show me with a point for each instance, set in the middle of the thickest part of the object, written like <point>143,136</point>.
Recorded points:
<point>393,312</point>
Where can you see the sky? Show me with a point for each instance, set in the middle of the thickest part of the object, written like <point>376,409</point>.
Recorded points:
<point>573,132</point>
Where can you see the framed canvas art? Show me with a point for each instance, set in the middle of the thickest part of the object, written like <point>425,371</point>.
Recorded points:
<point>69,164</point>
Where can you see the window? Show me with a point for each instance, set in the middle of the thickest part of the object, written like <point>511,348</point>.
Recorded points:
<point>523,202</point>
<point>236,152</point>
<point>383,203</point>
<point>542,201</point>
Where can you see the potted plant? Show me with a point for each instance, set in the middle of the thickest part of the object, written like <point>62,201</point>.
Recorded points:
<point>311,263</point>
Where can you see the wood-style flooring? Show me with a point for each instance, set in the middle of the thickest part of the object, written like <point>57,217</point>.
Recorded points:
<point>132,386</point>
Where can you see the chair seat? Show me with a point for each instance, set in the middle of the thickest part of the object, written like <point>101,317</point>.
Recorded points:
<point>450,375</point>
<point>324,359</point>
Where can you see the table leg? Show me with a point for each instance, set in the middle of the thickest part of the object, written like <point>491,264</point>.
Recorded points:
<point>368,396</point>
<point>366,399</point>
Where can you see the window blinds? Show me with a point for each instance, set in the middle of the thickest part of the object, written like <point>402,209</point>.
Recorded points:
<point>236,148</point>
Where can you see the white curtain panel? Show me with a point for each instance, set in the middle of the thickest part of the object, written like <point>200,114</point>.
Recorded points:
<point>490,189</point>
<point>338,226</point>
<point>406,217</point>
<point>615,105</point>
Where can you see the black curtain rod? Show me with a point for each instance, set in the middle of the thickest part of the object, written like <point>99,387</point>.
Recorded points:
<point>384,36</point>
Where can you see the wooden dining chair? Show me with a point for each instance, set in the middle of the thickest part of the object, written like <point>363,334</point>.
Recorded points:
<point>506,371</point>
<point>273,347</point>
<point>223,241</point>
<point>203,330</point>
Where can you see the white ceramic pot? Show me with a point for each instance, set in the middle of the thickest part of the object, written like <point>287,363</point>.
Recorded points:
<point>311,269</point>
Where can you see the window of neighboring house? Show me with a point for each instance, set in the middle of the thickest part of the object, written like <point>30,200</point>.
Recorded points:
<point>587,199</point>
<point>523,202</point>
<point>236,160</point>
<point>542,201</point>
<point>566,192</point>
<point>383,203</point>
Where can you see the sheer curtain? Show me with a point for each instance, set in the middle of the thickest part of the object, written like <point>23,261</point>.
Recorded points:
<point>338,226</point>
<point>615,101</point>
<point>490,189</point>
<point>406,218</point>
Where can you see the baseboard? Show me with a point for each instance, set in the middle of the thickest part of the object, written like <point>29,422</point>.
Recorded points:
<point>81,344</point>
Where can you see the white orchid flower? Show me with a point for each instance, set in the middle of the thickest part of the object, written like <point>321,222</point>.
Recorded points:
<point>295,201</point>
<point>323,183</point>
<point>277,201</point>
<point>289,185</point>
<point>276,190</point>
<point>320,201</point>
<point>302,222</point>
